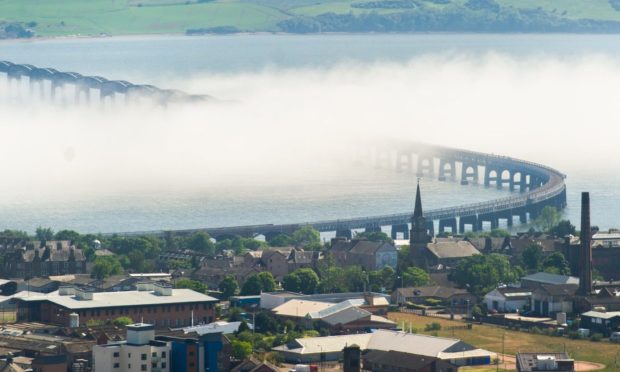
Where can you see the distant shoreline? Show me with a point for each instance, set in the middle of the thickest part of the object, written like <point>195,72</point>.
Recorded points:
<point>280,33</point>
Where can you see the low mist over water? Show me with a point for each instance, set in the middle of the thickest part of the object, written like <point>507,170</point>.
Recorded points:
<point>275,146</point>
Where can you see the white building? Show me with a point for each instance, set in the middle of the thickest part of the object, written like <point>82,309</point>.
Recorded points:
<point>507,299</point>
<point>140,352</point>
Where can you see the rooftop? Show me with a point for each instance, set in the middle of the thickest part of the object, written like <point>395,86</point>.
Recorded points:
<point>452,249</point>
<point>300,308</point>
<point>385,340</point>
<point>118,299</point>
<point>547,278</point>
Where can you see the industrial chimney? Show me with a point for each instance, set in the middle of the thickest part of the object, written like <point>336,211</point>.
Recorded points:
<point>585,254</point>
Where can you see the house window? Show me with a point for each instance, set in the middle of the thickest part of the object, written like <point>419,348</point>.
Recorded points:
<point>143,357</point>
<point>116,354</point>
<point>116,365</point>
<point>154,354</point>
<point>163,365</point>
<point>143,367</point>
<point>163,354</point>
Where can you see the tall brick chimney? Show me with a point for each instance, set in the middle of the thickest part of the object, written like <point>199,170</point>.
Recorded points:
<point>585,254</point>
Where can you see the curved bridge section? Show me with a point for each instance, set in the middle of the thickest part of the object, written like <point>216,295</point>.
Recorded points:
<point>48,84</point>
<point>538,186</point>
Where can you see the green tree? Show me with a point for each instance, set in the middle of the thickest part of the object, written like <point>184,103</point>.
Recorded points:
<point>532,257</point>
<point>415,276</point>
<point>375,236</point>
<point>356,279</point>
<point>14,234</point>
<point>201,242</point>
<point>191,284</point>
<point>228,286</point>
<point>556,263</point>
<point>252,286</point>
<point>281,240</point>
<point>303,280</point>
<point>241,349</point>
<point>306,235</point>
<point>122,321</point>
<point>564,228</point>
<point>234,315</point>
<point>106,266</point>
<point>549,217</point>
<point>481,273</point>
<point>44,233</point>
<point>267,283</point>
<point>67,235</point>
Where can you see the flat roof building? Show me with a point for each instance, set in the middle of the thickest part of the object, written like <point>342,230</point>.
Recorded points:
<point>158,304</point>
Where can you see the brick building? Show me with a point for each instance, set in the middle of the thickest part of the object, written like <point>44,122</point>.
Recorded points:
<point>35,259</point>
<point>156,304</point>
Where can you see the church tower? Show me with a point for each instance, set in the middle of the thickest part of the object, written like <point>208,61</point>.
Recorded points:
<point>418,238</point>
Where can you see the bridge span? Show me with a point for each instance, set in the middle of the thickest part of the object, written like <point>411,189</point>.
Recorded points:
<point>538,186</point>
<point>51,85</point>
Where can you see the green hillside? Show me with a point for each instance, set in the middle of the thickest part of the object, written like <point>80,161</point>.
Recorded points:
<point>122,17</point>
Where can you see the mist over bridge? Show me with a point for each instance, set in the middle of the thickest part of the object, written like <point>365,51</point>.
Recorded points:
<point>538,186</point>
<point>28,82</point>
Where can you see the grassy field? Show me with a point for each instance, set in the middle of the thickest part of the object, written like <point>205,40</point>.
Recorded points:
<point>490,338</point>
<point>122,17</point>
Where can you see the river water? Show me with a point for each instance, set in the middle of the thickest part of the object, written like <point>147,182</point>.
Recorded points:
<point>172,61</point>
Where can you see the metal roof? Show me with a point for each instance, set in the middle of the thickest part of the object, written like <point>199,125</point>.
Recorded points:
<point>300,308</point>
<point>126,298</point>
<point>548,278</point>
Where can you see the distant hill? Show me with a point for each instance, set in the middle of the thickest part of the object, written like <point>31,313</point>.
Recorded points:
<point>126,17</point>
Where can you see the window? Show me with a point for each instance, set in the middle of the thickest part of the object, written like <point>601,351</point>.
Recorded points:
<point>143,357</point>
<point>129,366</point>
<point>163,354</point>
<point>116,354</point>
<point>128,355</point>
<point>143,367</point>
<point>154,354</point>
<point>116,365</point>
<point>163,365</point>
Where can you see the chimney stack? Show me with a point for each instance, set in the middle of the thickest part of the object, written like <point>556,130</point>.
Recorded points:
<point>585,254</point>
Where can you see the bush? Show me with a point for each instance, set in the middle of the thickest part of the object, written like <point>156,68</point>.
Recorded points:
<point>575,335</point>
<point>122,321</point>
<point>432,302</point>
<point>596,337</point>
<point>432,327</point>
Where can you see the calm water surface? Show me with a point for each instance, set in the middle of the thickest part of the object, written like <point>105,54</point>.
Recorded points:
<point>162,60</point>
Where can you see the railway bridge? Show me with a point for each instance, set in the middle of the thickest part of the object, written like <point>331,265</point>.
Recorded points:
<point>534,187</point>
<point>25,82</point>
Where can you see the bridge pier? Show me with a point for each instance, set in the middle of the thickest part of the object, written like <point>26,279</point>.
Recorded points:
<point>503,181</point>
<point>447,168</point>
<point>401,228</point>
<point>505,215</point>
<point>372,228</point>
<point>404,162</point>
<point>488,178</point>
<point>425,166</point>
<point>383,159</point>
<point>448,222</point>
<point>430,226</point>
<point>488,217</point>
<point>468,220</point>
<point>344,233</point>
<point>466,175</point>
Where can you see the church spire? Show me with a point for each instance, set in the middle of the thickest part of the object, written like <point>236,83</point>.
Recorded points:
<point>417,212</point>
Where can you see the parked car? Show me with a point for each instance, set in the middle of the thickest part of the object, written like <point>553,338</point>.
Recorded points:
<point>615,337</point>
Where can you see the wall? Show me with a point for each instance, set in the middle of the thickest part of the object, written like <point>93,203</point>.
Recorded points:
<point>158,315</point>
